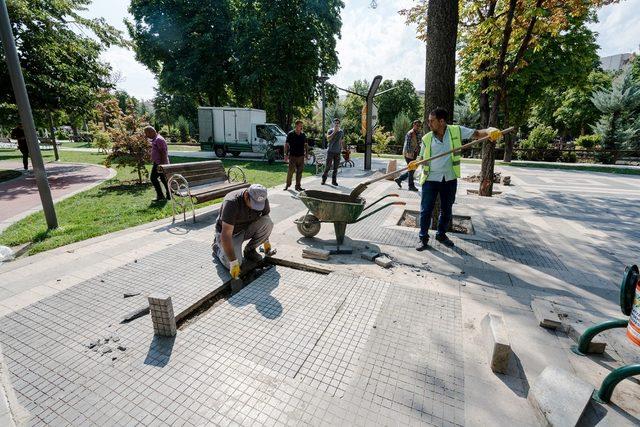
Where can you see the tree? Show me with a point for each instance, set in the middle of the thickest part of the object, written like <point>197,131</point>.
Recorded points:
<point>187,45</point>
<point>401,125</point>
<point>402,99</point>
<point>129,144</point>
<point>353,105</point>
<point>281,47</point>
<point>495,39</point>
<point>61,65</point>
<point>619,125</point>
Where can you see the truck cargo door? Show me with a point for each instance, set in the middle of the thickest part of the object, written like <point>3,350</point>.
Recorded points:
<point>230,126</point>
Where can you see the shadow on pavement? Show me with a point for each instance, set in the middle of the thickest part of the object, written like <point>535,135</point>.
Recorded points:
<point>160,351</point>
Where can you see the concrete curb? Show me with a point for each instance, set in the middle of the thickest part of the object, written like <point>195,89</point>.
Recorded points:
<point>11,412</point>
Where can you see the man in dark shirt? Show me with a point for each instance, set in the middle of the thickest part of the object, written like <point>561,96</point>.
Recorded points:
<point>18,133</point>
<point>335,141</point>
<point>244,215</point>
<point>295,149</point>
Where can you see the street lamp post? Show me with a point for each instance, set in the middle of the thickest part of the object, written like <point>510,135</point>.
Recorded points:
<point>26,116</point>
<point>323,80</point>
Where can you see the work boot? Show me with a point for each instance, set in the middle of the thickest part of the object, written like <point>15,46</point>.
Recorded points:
<point>334,183</point>
<point>252,255</point>
<point>286,188</point>
<point>424,244</point>
<point>442,238</point>
<point>324,180</point>
<point>299,189</point>
<point>413,188</point>
<point>399,182</point>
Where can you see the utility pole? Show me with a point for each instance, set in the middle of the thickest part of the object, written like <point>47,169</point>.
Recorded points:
<point>323,80</point>
<point>367,147</point>
<point>26,116</point>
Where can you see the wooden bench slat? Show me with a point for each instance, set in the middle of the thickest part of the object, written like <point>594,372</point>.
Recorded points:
<point>220,193</point>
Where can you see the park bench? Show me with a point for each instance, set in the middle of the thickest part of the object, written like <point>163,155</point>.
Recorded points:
<point>199,182</point>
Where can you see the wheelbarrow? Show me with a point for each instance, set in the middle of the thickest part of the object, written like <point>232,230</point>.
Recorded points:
<point>340,209</point>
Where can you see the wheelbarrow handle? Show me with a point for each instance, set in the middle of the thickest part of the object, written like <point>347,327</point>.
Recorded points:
<point>381,198</point>
<point>379,209</point>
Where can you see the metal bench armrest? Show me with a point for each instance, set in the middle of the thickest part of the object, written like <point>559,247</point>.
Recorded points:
<point>236,174</point>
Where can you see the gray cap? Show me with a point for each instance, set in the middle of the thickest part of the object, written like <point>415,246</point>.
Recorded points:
<point>257,196</point>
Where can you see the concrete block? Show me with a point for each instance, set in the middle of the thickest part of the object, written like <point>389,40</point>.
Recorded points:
<point>496,341</point>
<point>370,255</point>
<point>546,313</point>
<point>162,317</point>
<point>558,397</point>
<point>575,330</point>
<point>313,253</point>
<point>384,261</point>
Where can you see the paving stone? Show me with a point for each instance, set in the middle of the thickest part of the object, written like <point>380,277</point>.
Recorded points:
<point>558,397</point>
<point>546,313</point>
<point>370,255</point>
<point>314,253</point>
<point>496,341</point>
<point>384,261</point>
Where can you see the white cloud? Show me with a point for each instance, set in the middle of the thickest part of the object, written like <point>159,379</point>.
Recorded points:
<point>618,30</point>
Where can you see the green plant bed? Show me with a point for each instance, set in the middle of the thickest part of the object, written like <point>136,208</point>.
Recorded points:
<point>114,205</point>
<point>6,175</point>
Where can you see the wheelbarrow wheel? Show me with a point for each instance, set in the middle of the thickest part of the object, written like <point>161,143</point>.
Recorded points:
<point>308,225</point>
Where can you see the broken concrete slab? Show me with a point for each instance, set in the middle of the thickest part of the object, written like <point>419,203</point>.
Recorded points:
<point>384,261</point>
<point>558,397</point>
<point>546,313</point>
<point>496,341</point>
<point>370,255</point>
<point>134,314</point>
<point>574,329</point>
<point>314,253</point>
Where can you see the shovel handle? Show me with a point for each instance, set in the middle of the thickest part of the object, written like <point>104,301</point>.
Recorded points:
<point>462,147</point>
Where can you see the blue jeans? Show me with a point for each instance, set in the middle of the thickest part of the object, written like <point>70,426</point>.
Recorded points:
<point>430,191</point>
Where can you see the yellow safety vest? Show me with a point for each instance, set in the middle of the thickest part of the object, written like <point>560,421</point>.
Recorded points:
<point>425,152</point>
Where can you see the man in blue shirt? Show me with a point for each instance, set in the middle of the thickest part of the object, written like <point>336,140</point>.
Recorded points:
<point>440,177</point>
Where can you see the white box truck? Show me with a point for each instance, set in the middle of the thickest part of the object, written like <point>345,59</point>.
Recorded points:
<point>237,130</point>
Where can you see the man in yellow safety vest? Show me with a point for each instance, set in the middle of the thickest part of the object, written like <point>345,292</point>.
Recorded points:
<point>440,177</point>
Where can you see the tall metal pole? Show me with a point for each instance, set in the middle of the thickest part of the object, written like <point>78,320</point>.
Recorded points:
<point>323,79</point>
<point>369,125</point>
<point>26,117</point>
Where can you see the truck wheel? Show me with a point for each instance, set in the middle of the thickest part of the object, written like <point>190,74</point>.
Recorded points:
<point>235,153</point>
<point>220,152</point>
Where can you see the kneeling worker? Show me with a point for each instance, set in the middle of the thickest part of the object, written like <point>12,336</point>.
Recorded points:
<point>244,215</point>
<point>440,177</point>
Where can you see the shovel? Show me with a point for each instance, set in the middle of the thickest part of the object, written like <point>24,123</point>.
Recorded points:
<point>360,188</point>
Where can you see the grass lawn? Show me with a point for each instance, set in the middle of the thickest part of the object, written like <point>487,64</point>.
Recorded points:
<point>564,166</point>
<point>183,147</point>
<point>6,175</point>
<point>114,205</point>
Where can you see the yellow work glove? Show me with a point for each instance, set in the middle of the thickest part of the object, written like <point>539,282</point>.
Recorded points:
<point>267,247</point>
<point>494,134</point>
<point>412,165</point>
<point>234,269</point>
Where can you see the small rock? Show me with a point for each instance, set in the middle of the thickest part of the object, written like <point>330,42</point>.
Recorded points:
<point>106,349</point>
<point>135,260</point>
<point>101,281</point>
<point>6,254</point>
<point>384,261</point>
<point>115,338</point>
<point>121,347</point>
<point>58,280</point>
<point>92,344</point>
<point>131,294</point>
<point>113,358</point>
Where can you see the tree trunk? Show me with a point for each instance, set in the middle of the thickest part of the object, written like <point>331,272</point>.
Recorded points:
<point>508,139</point>
<point>53,137</point>
<point>440,69</point>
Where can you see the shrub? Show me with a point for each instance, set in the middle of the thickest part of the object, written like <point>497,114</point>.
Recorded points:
<point>380,141</point>
<point>568,157</point>
<point>182,125</point>
<point>401,125</point>
<point>538,144</point>
<point>101,141</point>
<point>588,141</point>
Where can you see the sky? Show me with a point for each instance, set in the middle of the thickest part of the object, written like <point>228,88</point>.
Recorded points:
<point>374,41</point>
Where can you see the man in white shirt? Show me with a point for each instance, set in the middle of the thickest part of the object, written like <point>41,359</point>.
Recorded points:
<point>440,177</point>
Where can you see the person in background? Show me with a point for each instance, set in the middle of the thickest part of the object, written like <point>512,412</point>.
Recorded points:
<point>410,151</point>
<point>18,133</point>
<point>295,151</point>
<point>159,156</point>
<point>244,215</point>
<point>335,143</point>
